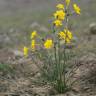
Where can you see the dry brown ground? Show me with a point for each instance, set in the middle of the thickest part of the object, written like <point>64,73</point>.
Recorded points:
<point>23,81</point>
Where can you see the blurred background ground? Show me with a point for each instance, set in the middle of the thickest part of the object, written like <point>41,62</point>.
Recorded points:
<point>18,18</point>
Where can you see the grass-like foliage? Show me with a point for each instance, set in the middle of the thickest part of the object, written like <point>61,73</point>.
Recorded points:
<point>54,51</point>
<point>5,68</point>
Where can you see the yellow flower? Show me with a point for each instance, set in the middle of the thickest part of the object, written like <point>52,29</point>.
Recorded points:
<point>60,6</point>
<point>25,51</point>
<point>66,35</point>
<point>33,45</point>
<point>59,15</point>
<point>61,35</point>
<point>76,9</point>
<point>57,23</point>
<point>48,44</point>
<point>33,34</point>
<point>67,2</point>
<point>67,40</point>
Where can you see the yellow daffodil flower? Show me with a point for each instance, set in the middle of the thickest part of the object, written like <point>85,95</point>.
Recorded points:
<point>25,51</point>
<point>57,23</point>
<point>66,35</point>
<point>61,35</point>
<point>48,44</point>
<point>60,6</point>
<point>33,34</point>
<point>67,2</point>
<point>60,14</point>
<point>33,44</point>
<point>76,9</point>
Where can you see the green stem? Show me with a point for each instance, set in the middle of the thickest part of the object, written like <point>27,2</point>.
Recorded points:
<point>55,55</point>
<point>59,65</point>
<point>64,65</point>
<point>56,58</point>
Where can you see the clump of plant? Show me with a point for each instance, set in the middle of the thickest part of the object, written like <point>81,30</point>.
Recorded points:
<point>6,68</point>
<point>52,51</point>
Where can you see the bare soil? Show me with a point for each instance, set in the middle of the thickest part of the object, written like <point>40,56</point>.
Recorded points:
<point>24,80</point>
